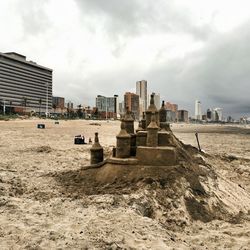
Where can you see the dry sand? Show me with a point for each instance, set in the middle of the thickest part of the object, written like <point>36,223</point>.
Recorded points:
<point>39,211</point>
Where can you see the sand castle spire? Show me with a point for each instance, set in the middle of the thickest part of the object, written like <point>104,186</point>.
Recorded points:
<point>152,137</point>
<point>96,151</point>
<point>129,121</point>
<point>123,142</point>
<point>152,109</point>
<point>143,121</point>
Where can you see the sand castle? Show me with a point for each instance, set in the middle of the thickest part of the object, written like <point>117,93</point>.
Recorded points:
<point>152,144</point>
<point>176,181</point>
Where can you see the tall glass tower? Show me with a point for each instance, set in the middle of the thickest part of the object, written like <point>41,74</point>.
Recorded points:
<point>141,91</point>
<point>198,114</point>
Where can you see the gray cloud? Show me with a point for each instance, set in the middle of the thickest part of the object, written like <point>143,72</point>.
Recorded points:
<point>218,74</point>
<point>33,16</point>
<point>134,17</point>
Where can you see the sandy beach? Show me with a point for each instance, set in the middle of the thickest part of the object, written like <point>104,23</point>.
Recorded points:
<point>37,211</point>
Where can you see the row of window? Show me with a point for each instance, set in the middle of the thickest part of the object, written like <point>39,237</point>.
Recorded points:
<point>12,71</point>
<point>21,91</point>
<point>12,81</point>
<point>25,67</point>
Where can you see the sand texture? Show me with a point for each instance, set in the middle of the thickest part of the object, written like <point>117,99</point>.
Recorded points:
<point>48,200</point>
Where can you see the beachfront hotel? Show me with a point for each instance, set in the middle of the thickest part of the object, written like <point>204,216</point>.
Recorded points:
<point>24,85</point>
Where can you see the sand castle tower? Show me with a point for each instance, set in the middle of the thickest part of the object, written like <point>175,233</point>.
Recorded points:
<point>129,122</point>
<point>139,127</point>
<point>143,121</point>
<point>152,136</point>
<point>96,151</point>
<point>163,117</point>
<point>123,141</point>
<point>129,126</point>
<point>164,136</point>
<point>152,109</point>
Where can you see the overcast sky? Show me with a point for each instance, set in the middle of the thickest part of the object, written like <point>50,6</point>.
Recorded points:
<point>186,50</point>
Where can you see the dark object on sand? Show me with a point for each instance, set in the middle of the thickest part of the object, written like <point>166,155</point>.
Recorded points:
<point>56,122</point>
<point>95,124</point>
<point>79,139</point>
<point>90,141</point>
<point>42,126</point>
<point>199,147</point>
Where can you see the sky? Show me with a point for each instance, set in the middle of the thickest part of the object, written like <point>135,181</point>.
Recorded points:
<point>186,50</point>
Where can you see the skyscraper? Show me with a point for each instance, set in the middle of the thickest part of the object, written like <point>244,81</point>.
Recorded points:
<point>198,115</point>
<point>24,85</point>
<point>107,106</point>
<point>218,114</point>
<point>141,91</point>
<point>131,101</point>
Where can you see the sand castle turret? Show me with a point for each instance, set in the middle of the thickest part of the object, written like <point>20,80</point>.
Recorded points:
<point>129,122</point>
<point>152,109</point>
<point>163,113</point>
<point>139,127</point>
<point>163,118</point>
<point>152,136</point>
<point>123,142</point>
<point>143,121</point>
<point>129,126</point>
<point>96,151</point>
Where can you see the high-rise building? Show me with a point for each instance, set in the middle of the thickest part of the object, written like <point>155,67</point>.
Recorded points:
<point>198,114</point>
<point>141,91</point>
<point>132,101</point>
<point>209,114</point>
<point>58,102</point>
<point>218,114</point>
<point>182,115</point>
<point>24,85</point>
<point>107,106</point>
<point>172,111</point>
<point>70,105</point>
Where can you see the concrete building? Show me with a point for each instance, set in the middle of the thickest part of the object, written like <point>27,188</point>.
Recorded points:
<point>182,115</point>
<point>172,111</point>
<point>217,114</point>
<point>171,116</point>
<point>121,109</point>
<point>108,107</point>
<point>209,115</point>
<point>132,101</point>
<point>58,102</point>
<point>70,105</point>
<point>198,114</point>
<point>141,91</point>
<point>24,85</point>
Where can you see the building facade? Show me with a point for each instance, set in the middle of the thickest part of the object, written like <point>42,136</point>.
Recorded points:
<point>182,115</point>
<point>58,102</point>
<point>24,85</point>
<point>107,107</point>
<point>172,111</point>
<point>141,91</point>
<point>198,114</point>
<point>132,102</point>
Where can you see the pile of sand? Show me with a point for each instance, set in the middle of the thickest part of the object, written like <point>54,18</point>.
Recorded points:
<point>173,195</point>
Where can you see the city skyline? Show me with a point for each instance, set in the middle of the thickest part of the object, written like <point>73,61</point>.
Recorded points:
<point>185,51</point>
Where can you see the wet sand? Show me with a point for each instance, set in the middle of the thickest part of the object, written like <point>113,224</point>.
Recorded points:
<point>36,213</point>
